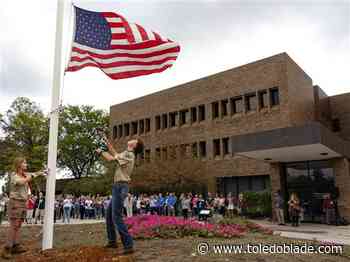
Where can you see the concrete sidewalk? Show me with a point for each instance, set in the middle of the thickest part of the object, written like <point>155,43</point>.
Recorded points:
<point>320,232</point>
<point>59,222</point>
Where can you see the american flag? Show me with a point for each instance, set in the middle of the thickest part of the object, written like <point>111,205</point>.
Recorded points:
<point>119,48</point>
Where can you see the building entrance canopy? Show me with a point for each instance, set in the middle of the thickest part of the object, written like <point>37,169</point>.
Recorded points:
<point>300,143</point>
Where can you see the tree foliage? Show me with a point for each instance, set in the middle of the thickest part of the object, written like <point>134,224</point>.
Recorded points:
<point>26,134</point>
<point>78,139</point>
<point>25,131</point>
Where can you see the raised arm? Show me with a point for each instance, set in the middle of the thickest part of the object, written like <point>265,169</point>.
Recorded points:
<point>107,156</point>
<point>109,145</point>
<point>24,180</point>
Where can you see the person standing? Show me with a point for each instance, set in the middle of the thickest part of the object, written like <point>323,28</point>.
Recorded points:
<point>125,162</point>
<point>230,205</point>
<point>30,209</point>
<point>2,208</point>
<point>20,188</point>
<point>186,206</point>
<point>40,211</point>
<point>329,209</point>
<point>67,208</point>
<point>200,206</point>
<point>279,204</point>
<point>171,201</point>
<point>294,209</point>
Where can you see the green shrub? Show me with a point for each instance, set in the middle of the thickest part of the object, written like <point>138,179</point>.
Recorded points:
<point>258,204</point>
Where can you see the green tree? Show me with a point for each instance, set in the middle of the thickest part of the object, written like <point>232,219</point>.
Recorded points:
<point>78,139</point>
<point>26,133</point>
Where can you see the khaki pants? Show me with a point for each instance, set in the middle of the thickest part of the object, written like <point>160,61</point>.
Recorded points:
<point>39,215</point>
<point>280,215</point>
<point>29,216</point>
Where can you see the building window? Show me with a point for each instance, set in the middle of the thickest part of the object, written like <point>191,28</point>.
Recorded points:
<point>157,153</point>
<point>225,146</point>
<point>147,155</point>
<point>194,150</point>
<point>262,99</point>
<point>157,122</point>
<point>224,108</point>
<point>172,119</point>
<point>142,126</point>
<point>165,153</point>
<point>203,149</point>
<point>183,117</point>
<point>172,152</point>
<point>250,102</point>
<point>134,128</point>
<point>115,132</point>
<point>336,125</point>
<point>201,112</point>
<point>164,121</point>
<point>236,105</point>
<point>274,96</point>
<point>216,147</point>
<point>148,125</point>
<point>127,129</point>
<point>120,131</point>
<point>183,150</point>
<point>215,109</point>
<point>193,114</point>
<point>236,185</point>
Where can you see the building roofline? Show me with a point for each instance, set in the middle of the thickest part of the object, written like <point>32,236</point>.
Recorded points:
<point>283,54</point>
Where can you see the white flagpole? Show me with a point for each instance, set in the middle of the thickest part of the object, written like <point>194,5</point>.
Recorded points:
<point>54,115</point>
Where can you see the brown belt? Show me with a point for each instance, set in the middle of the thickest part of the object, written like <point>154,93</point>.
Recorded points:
<point>121,182</point>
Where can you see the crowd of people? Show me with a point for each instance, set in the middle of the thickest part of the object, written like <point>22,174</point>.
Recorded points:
<point>69,207</point>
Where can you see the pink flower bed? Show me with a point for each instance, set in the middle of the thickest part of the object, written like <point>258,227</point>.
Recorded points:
<point>151,226</point>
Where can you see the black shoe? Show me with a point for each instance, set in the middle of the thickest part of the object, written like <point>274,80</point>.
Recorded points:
<point>111,245</point>
<point>18,249</point>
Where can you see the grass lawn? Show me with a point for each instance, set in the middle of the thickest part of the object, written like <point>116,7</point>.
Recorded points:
<point>84,243</point>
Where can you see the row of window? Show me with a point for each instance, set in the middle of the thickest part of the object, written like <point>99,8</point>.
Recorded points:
<point>245,103</point>
<point>196,150</point>
<point>134,128</point>
<point>239,104</point>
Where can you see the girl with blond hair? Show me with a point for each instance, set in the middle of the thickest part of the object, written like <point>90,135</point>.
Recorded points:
<point>20,189</point>
<point>294,209</point>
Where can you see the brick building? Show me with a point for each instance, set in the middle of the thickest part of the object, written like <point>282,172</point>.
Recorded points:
<point>260,126</point>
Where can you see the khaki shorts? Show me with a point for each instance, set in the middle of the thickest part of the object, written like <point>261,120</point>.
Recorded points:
<point>17,209</point>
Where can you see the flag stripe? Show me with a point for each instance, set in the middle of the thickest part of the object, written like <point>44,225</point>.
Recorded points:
<point>128,49</point>
<point>123,64</point>
<point>117,30</point>
<point>82,53</point>
<point>119,36</point>
<point>136,33</point>
<point>116,24</point>
<point>121,69</point>
<point>150,34</point>
<point>118,42</point>
<point>112,20</point>
<point>142,32</point>
<point>123,61</point>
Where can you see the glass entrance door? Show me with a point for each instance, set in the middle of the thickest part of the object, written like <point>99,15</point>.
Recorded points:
<point>311,181</point>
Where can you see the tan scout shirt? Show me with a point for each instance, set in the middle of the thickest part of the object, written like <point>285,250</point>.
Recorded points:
<point>19,188</point>
<point>126,162</point>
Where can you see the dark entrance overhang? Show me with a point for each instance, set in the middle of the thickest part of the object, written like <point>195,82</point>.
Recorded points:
<point>312,141</point>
